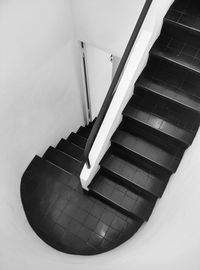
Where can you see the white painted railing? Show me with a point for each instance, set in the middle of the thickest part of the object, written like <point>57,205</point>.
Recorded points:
<point>135,64</point>
<point>114,115</point>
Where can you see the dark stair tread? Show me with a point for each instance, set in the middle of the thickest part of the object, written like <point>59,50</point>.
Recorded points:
<point>186,7</point>
<point>173,52</point>
<point>167,74</point>
<point>162,108</point>
<point>77,140</point>
<point>159,124</point>
<point>122,198</point>
<point>172,94</point>
<point>71,149</point>
<point>145,149</point>
<point>41,170</point>
<point>132,175</point>
<point>62,160</point>
<point>84,132</point>
<point>184,20</point>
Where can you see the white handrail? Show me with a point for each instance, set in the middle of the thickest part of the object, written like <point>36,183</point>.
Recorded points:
<point>113,117</point>
<point>135,64</point>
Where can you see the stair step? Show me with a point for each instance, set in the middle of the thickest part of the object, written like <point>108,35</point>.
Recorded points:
<point>168,75</point>
<point>186,7</point>
<point>180,31</point>
<point>133,176</point>
<point>185,18</point>
<point>139,147</point>
<point>181,117</point>
<point>41,170</point>
<point>177,52</point>
<point>84,132</point>
<point>121,198</point>
<point>171,94</point>
<point>77,140</point>
<point>62,160</point>
<point>70,149</point>
<point>151,122</point>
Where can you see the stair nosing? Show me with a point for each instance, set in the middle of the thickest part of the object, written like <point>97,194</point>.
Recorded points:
<point>78,135</point>
<point>51,147</point>
<point>139,154</point>
<point>170,60</point>
<point>141,188</point>
<point>167,97</point>
<point>70,143</point>
<point>119,206</point>
<point>74,134</point>
<point>181,25</point>
<point>51,163</point>
<point>158,130</point>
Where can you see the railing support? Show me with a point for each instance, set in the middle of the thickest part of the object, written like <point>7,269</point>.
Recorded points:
<point>115,82</point>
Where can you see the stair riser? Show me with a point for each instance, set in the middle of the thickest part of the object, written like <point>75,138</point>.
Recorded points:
<point>84,132</point>
<point>75,153</point>
<point>181,33</point>
<point>158,66</point>
<point>139,90</point>
<point>155,136</point>
<point>135,188</point>
<point>80,144</point>
<point>182,115</point>
<point>180,6</point>
<point>183,67</point>
<point>67,168</point>
<point>67,165</point>
<point>157,170</point>
<point>117,207</point>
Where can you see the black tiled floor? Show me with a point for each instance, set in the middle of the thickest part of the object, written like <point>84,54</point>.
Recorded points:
<point>68,218</point>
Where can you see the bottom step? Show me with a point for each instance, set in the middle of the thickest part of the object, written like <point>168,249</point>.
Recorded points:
<point>128,202</point>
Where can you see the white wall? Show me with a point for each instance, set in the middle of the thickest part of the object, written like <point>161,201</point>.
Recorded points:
<point>171,238</point>
<point>106,24</point>
<point>39,79</point>
<point>39,89</point>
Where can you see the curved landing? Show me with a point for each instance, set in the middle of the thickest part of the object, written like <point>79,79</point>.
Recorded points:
<point>66,217</point>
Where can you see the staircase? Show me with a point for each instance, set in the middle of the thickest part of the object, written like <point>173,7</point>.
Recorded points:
<point>159,123</point>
